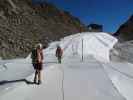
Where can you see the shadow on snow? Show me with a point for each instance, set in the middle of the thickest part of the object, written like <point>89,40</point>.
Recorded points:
<point>15,81</point>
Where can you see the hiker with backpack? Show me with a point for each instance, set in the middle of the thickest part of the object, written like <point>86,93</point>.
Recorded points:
<point>59,53</point>
<point>37,61</point>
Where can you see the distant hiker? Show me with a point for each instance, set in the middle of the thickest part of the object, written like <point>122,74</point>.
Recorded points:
<point>37,61</point>
<point>59,53</point>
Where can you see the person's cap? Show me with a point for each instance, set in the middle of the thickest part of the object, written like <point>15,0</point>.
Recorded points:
<point>39,45</point>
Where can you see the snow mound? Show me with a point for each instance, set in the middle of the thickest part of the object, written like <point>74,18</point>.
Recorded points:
<point>97,44</point>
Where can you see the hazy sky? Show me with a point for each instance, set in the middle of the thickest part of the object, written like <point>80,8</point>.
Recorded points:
<point>110,13</point>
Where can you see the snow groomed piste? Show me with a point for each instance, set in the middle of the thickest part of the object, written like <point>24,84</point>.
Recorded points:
<point>85,74</point>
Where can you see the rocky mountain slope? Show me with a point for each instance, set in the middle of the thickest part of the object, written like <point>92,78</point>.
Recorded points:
<point>122,52</point>
<point>23,24</point>
<point>125,32</point>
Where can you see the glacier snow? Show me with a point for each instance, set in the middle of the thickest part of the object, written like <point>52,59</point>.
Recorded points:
<point>95,78</point>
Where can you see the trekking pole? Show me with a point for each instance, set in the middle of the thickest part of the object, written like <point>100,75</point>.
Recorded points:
<point>82,50</point>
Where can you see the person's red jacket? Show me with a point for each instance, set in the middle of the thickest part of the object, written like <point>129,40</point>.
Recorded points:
<point>59,52</point>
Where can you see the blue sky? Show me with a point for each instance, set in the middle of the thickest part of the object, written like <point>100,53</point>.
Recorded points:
<point>110,13</point>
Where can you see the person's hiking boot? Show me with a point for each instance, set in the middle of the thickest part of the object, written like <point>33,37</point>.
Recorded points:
<point>35,81</point>
<point>39,82</point>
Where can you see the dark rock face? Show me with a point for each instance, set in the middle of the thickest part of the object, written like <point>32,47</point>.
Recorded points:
<point>23,24</point>
<point>125,32</point>
<point>95,28</point>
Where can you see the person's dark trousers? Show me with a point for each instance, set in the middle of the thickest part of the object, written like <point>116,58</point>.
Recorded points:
<point>35,77</point>
<point>59,60</point>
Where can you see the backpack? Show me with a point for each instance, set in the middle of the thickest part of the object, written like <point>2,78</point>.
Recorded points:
<point>34,55</point>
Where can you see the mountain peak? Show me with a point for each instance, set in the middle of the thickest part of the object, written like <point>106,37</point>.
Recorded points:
<point>124,33</point>
<point>23,24</point>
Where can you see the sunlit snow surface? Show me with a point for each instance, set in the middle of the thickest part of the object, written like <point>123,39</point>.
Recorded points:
<point>96,44</point>
<point>94,78</point>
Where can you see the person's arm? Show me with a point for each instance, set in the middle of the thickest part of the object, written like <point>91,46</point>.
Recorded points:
<point>61,52</point>
<point>56,53</point>
<point>42,54</point>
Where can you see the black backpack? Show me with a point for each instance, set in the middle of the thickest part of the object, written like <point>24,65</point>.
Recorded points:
<point>34,55</point>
